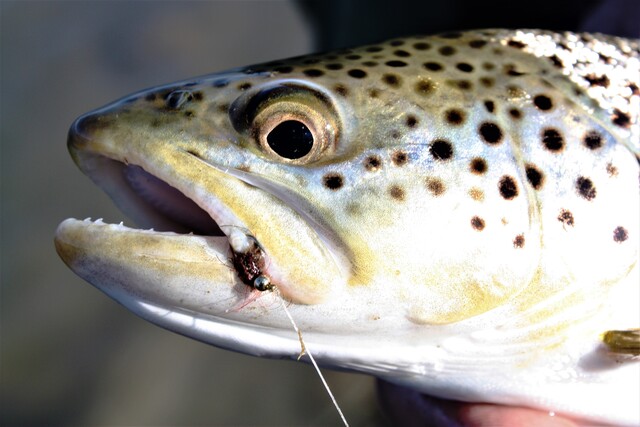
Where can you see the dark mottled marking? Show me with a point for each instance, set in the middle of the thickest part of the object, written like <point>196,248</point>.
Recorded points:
<point>424,87</point>
<point>488,66</point>
<point>534,176</point>
<point>333,181</point>
<point>224,108</point>
<point>586,188</point>
<point>612,170</point>
<point>374,49</point>
<point>566,218</point>
<point>341,90</point>
<point>490,133</point>
<point>421,46</point>
<point>594,80</point>
<point>552,139</point>
<point>487,81</point>
<point>515,113</point>
<point>621,119</point>
<point>353,57</point>
<point>543,102</point>
<point>357,73</point>
<point>464,67</point>
<point>397,192</point>
<point>476,194</point>
<point>399,158</point>
<point>334,66</point>
<point>508,187</point>
<point>284,69</point>
<point>369,63</point>
<point>411,121</point>
<point>510,70</point>
<point>432,66</point>
<point>197,96</point>
<point>372,163</point>
<point>477,223</point>
<point>441,149</point>
<point>477,44</point>
<point>244,86</point>
<point>515,91</point>
<point>517,44</point>
<point>397,43</point>
<point>593,140</point>
<point>189,114</point>
<point>447,51</point>
<point>490,106</point>
<point>454,117</point>
<point>395,134</point>
<point>634,89</point>
<point>150,97</point>
<point>518,242</point>
<point>396,64</point>
<point>478,166</point>
<point>391,79</point>
<point>313,72</point>
<point>557,62</point>
<point>401,53</point>
<point>435,186</point>
<point>460,84</point>
<point>620,234</point>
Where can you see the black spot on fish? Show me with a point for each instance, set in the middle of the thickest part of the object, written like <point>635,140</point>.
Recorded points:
<point>334,66</point>
<point>543,102</point>
<point>620,234</point>
<point>534,176</point>
<point>397,192</point>
<point>399,158</point>
<point>397,43</point>
<point>372,163</point>
<point>556,61</point>
<point>455,117</point>
<point>490,133</point>
<point>411,121</point>
<point>586,188</point>
<point>433,66</point>
<point>566,217</point>
<point>517,44</point>
<point>421,46</point>
<point>515,113</point>
<point>552,140</point>
<point>396,64</point>
<point>593,140</point>
<point>464,67</point>
<point>490,106</point>
<point>621,119</point>
<point>478,166</point>
<point>487,81</point>
<point>401,53</point>
<point>460,84</point>
<point>518,242</point>
<point>357,73</point>
<point>313,72</point>
<point>594,80</point>
<point>244,86</point>
<point>508,187</point>
<point>477,44</point>
<point>477,223</point>
<point>353,57</point>
<point>447,51</point>
<point>441,149</point>
<point>435,186</point>
<point>333,181</point>
<point>392,80</point>
<point>341,90</point>
<point>424,87</point>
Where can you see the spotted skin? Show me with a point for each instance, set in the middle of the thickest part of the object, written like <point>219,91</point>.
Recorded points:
<point>487,176</point>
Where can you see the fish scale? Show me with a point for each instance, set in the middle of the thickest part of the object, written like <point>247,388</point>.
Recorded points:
<point>455,213</point>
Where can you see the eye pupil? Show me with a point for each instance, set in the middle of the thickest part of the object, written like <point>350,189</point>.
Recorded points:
<point>291,139</point>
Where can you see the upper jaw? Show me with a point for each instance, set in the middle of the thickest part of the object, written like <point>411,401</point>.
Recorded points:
<point>298,261</point>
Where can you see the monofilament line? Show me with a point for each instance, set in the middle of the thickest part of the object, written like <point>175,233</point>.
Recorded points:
<point>313,361</point>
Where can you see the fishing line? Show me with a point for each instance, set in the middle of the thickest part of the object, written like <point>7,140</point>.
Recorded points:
<point>304,350</point>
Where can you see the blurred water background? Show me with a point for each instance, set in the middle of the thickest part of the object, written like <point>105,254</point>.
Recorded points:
<point>68,354</point>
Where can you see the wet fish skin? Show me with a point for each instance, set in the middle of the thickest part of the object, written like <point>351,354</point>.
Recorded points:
<point>469,196</point>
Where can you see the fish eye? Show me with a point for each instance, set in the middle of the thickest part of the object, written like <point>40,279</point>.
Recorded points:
<point>290,123</point>
<point>290,139</point>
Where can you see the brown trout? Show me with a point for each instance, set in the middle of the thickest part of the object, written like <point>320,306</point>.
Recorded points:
<point>455,213</point>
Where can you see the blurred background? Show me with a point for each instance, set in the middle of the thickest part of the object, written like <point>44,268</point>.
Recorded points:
<point>68,354</point>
